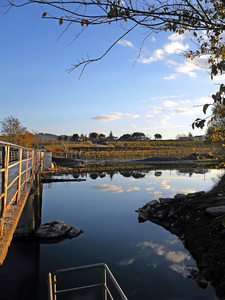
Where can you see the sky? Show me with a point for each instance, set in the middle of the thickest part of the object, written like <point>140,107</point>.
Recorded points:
<point>161,91</point>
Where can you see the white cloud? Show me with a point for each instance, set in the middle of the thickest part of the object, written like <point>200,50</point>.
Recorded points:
<point>133,189</point>
<point>105,118</point>
<point>185,101</point>
<point>164,120</point>
<point>157,55</point>
<point>126,43</point>
<point>153,39</point>
<point>131,116</point>
<point>175,47</point>
<point>172,62</point>
<point>116,116</point>
<point>219,78</point>
<point>185,111</point>
<point>149,116</point>
<point>189,66</point>
<point>169,103</point>
<point>157,110</point>
<point>176,37</point>
<point>165,97</point>
<point>171,77</point>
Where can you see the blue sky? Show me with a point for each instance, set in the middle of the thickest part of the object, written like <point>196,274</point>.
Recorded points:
<point>159,94</point>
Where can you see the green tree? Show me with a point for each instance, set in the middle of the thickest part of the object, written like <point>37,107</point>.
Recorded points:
<point>93,136</point>
<point>158,136</point>
<point>75,137</point>
<point>125,137</point>
<point>137,136</point>
<point>102,137</point>
<point>111,136</point>
<point>190,136</point>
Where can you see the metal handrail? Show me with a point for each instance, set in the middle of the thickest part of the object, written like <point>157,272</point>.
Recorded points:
<point>16,156</point>
<point>52,290</point>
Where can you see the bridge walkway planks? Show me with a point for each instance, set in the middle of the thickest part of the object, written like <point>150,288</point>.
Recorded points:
<point>14,211</point>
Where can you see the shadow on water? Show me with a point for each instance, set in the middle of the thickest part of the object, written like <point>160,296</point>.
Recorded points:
<point>19,275</point>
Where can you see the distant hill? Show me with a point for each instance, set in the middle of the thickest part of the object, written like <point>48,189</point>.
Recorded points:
<point>47,137</point>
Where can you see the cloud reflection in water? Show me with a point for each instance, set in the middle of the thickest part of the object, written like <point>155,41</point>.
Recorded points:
<point>176,258</point>
<point>114,188</point>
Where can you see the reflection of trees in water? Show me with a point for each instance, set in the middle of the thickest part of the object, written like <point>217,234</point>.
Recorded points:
<point>182,172</point>
<point>102,175</point>
<point>142,173</point>
<point>133,174</point>
<point>93,176</point>
<point>126,173</point>
<point>138,175</point>
<point>75,175</point>
<point>111,173</point>
<point>158,173</point>
<point>192,171</point>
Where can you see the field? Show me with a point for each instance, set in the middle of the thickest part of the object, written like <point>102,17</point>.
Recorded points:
<point>116,151</point>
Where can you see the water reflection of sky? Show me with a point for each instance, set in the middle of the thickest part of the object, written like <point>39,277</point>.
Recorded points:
<point>167,184</point>
<point>145,258</point>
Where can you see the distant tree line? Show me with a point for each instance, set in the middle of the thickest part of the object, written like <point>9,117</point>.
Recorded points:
<point>100,137</point>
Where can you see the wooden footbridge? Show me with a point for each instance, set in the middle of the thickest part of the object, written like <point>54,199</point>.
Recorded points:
<point>19,169</point>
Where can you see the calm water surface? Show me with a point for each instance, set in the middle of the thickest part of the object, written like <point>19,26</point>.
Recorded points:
<point>147,261</point>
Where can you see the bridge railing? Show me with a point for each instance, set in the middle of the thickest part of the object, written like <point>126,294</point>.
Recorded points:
<point>17,168</point>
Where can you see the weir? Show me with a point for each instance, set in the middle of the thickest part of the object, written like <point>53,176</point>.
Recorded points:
<point>20,169</point>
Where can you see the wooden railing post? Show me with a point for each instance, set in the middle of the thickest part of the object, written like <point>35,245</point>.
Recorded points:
<point>5,163</point>
<point>19,174</point>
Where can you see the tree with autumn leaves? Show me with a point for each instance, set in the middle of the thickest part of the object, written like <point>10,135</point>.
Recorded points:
<point>13,132</point>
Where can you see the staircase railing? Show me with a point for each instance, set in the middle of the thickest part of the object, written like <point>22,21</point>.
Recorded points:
<point>52,280</point>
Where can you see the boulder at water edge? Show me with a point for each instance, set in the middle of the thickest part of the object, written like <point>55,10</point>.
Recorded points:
<point>57,229</point>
